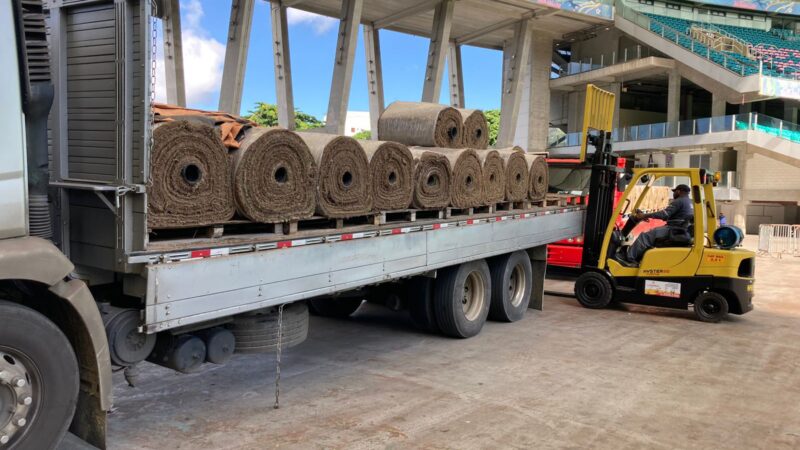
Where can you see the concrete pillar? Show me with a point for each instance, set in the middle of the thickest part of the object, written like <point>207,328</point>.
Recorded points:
<point>674,96</point>
<point>343,65</point>
<point>790,111</point>
<point>437,51</point>
<point>372,49</point>
<point>539,107</point>
<point>515,58</point>
<point>740,206</point>
<point>282,65</point>
<point>616,89</point>
<point>241,20</point>
<point>575,104</point>
<point>689,106</point>
<point>455,68</point>
<point>173,54</point>
<point>745,108</point>
<point>717,105</point>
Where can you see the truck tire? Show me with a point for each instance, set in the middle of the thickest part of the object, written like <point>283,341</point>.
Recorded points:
<point>461,298</point>
<point>421,305</point>
<point>710,307</point>
<point>339,308</point>
<point>38,363</point>
<point>593,290</point>
<point>512,281</point>
<point>257,332</point>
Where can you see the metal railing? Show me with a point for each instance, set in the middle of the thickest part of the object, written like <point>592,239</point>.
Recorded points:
<point>589,63</point>
<point>778,240</point>
<point>738,122</point>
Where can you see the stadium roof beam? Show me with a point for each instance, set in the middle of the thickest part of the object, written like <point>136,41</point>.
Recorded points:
<point>515,59</point>
<point>437,51</point>
<point>291,3</point>
<point>425,5</point>
<point>173,54</point>
<point>415,17</point>
<point>282,65</point>
<point>456,70</point>
<point>372,50</point>
<point>343,65</point>
<point>241,20</point>
<point>477,34</point>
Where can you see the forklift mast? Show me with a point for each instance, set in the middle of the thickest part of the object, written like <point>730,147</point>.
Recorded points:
<point>597,124</point>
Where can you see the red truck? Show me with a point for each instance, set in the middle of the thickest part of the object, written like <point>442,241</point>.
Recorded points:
<point>572,177</point>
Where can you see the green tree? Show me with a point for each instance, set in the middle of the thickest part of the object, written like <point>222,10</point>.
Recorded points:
<point>365,135</point>
<point>266,114</point>
<point>493,118</point>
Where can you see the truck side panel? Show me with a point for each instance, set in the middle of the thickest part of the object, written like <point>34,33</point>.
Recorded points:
<point>183,293</point>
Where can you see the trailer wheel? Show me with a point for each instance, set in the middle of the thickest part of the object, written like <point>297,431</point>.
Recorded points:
<point>710,307</point>
<point>512,281</point>
<point>462,297</point>
<point>335,307</point>
<point>593,290</point>
<point>38,379</point>
<point>421,305</point>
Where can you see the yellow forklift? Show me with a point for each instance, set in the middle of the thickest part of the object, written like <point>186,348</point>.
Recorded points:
<point>700,266</point>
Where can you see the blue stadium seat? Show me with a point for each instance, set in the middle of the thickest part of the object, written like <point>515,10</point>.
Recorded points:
<point>780,57</point>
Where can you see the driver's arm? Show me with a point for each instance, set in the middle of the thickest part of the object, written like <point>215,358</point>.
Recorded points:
<point>665,213</point>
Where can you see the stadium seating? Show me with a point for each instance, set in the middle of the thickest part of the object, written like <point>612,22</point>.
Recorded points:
<point>781,57</point>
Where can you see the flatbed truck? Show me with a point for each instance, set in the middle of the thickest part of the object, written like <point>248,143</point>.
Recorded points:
<point>86,287</point>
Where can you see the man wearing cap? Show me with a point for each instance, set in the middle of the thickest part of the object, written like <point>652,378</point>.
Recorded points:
<point>678,214</point>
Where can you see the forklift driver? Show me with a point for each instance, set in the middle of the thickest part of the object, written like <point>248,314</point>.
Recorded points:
<point>678,215</point>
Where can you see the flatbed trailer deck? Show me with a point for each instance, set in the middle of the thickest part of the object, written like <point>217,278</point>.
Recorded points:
<point>211,278</point>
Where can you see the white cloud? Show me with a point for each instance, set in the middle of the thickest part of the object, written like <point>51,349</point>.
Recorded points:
<point>192,13</point>
<point>320,24</point>
<point>203,59</point>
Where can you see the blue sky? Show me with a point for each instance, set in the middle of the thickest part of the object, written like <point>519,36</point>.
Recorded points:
<point>313,39</point>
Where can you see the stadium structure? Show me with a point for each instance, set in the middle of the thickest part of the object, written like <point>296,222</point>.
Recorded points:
<point>711,84</point>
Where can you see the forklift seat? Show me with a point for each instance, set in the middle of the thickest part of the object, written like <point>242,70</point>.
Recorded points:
<point>678,237</point>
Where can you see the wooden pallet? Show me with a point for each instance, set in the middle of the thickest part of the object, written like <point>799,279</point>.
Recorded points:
<point>409,215</point>
<point>565,199</point>
<point>451,212</point>
<point>545,202</point>
<point>245,227</point>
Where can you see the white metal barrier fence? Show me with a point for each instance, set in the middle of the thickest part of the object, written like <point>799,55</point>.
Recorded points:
<point>779,240</point>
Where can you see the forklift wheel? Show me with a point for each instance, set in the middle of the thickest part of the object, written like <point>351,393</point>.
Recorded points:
<point>593,290</point>
<point>710,307</point>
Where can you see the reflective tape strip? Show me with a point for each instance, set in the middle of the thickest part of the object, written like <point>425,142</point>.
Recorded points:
<point>200,253</point>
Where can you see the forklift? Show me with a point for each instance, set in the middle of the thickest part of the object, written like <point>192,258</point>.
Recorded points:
<point>701,266</point>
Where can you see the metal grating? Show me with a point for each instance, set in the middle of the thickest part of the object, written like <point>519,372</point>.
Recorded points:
<point>91,98</point>
<point>36,55</point>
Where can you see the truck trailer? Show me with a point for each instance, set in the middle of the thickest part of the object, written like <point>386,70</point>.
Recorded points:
<point>86,287</point>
